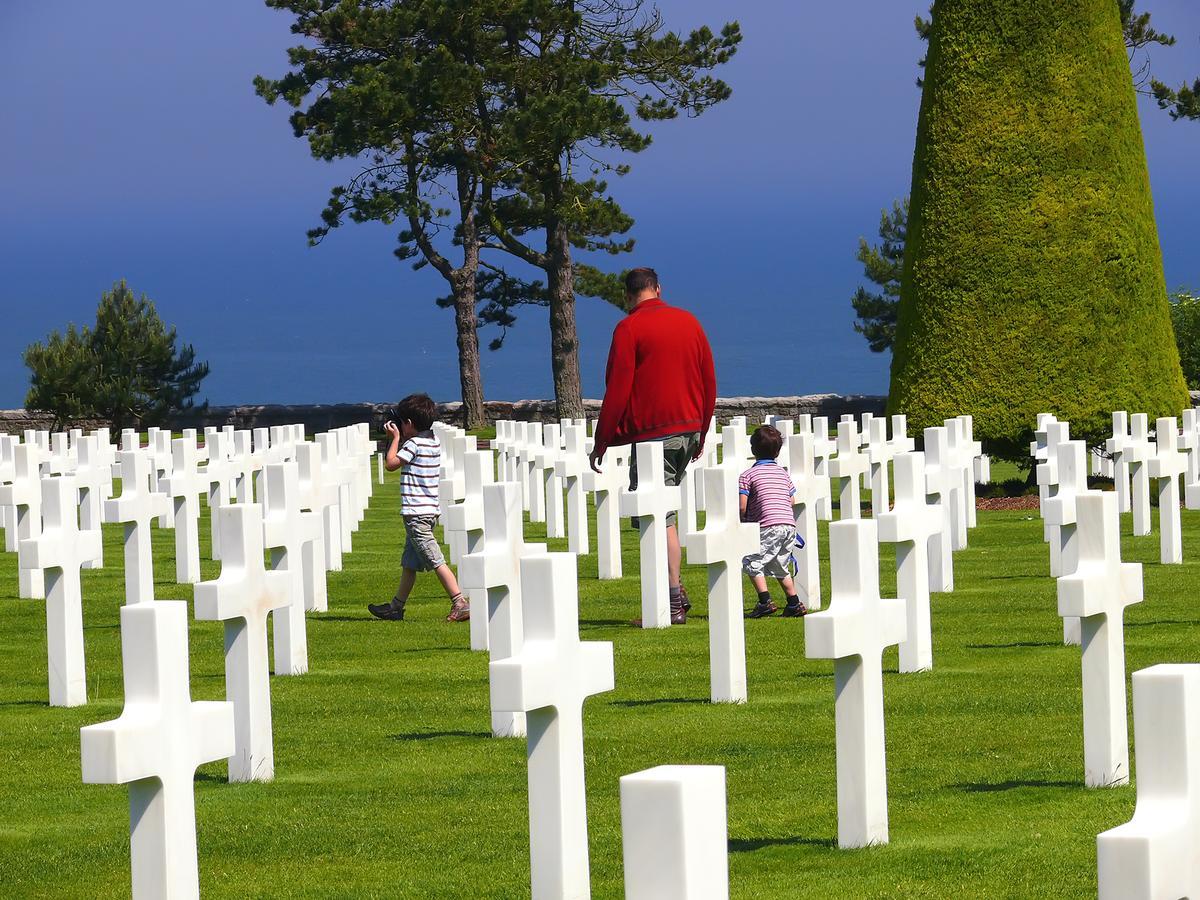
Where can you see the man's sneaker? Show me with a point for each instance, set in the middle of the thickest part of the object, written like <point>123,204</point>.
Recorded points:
<point>387,611</point>
<point>762,609</point>
<point>679,617</point>
<point>460,610</point>
<point>792,611</point>
<point>683,597</point>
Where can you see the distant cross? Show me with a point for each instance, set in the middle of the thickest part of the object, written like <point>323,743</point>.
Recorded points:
<point>535,491</point>
<point>59,552</point>
<point>1061,512</point>
<point>245,465</point>
<point>1048,479</point>
<point>219,473</point>
<point>847,469</point>
<point>242,597</point>
<point>853,632</point>
<point>913,525</point>
<point>810,491</point>
<point>24,497</point>
<point>1115,446</point>
<point>972,451</point>
<point>1189,443</point>
<point>283,537</point>
<point>495,571</point>
<point>155,746</point>
<point>606,487</point>
<point>941,482</point>
<point>321,497</point>
<point>1138,450</point>
<point>335,471</point>
<point>93,477</point>
<point>185,486</point>
<point>137,507</point>
<point>879,455</point>
<point>8,514</point>
<point>823,450</point>
<point>548,681</point>
<point>721,545</point>
<point>1098,593</point>
<point>650,502</point>
<point>1154,854</point>
<point>570,468</point>
<point>468,519</point>
<point>961,460</point>
<point>162,464</point>
<point>547,459</point>
<point>1168,465</point>
<point>900,441</point>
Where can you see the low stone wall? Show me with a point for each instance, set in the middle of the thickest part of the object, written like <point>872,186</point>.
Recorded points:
<point>322,417</point>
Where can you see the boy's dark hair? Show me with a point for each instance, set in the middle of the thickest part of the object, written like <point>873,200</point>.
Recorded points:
<point>418,409</point>
<point>638,280</point>
<point>766,442</point>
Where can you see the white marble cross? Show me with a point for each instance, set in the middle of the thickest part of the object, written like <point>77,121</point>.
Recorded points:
<point>900,441</point>
<point>570,468</point>
<point>241,597</point>
<point>283,536</point>
<point>674,834</point>
<point>1138,450</point>
<point>1061,513</point>
<point>972,453</point>
<point>735,445</point>
<point>185,486</point>
<point>1168,466</point>
<point>847,469</point>
<point>93,477</point>
<point>58,553</point>
<point>650,502</point>
<point>1098,593</point>
<point>853,632</point>
<point>8,514</point>
<point>24,496</point>
<point>245,465</point>
<point>879,455</point>
<point>1189,443</point>
<point>1047,474</point>
<point>823,450</point>
<point>811,489</point>
<point>468,519</point>
<point>942,482</point>
<point>1115,446</point>
<point>606,487</point>
<point>137,507</point>
<point>321,497</point>
<point>495,571</point>
<point>219,472</point>
<point>721,545</point>
<point>535,492</point>
<point>546,461</point>
<point>1157,853</point>
<point>155,746</point>
<point>548,681</point>
<point>913,525</point>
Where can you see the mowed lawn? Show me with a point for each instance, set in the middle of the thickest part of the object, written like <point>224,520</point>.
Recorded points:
<point>389,785</point>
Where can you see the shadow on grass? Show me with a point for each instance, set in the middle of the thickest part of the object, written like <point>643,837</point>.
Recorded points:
<point>657,700</point>
<point>1015,644</point>
<point>1163,622</point>
<point>749,845</point>
<point>626,622</point>
<point>24,703</point>
<point>433,735</point>
<point>366,618</point>
<point>987,787</point>
<point>432,649</point>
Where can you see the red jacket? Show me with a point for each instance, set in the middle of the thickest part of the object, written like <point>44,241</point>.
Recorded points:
<point>660,379</point>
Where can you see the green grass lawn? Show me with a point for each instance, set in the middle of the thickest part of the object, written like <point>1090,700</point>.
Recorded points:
<point>388,784</point>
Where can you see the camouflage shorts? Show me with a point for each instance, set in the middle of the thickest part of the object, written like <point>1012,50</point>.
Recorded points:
<point>678,450</point>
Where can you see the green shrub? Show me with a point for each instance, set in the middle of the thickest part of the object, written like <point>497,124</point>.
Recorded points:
<point>1033,278</point>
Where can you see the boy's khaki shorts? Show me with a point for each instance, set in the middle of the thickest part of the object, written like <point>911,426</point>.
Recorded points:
<point>421,549</point>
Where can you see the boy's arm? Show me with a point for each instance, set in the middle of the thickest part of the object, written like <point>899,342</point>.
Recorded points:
<point>395,458</point>
<point>743,499</point>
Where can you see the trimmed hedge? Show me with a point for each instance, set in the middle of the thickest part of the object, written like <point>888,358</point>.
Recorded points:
<point>1033,277</point>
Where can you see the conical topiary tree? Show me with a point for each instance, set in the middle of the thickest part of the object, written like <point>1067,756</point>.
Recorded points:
<point>1033,277</point>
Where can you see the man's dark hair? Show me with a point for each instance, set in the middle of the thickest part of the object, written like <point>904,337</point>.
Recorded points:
<point>766,442</point>
<point>418,409</point>
<point>638,280</point>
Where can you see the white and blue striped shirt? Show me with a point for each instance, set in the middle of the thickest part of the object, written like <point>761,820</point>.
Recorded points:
<point>422,458</point>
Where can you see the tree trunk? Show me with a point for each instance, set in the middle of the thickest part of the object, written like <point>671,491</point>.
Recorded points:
<point>564,337</point>
<point>469,375</point>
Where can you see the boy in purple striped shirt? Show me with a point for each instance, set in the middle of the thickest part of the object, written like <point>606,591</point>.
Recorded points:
<point>766,491</point>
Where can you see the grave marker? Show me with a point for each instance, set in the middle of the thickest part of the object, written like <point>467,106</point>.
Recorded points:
<point>24,497</point>
<point>283,537</point>
<point>137,506</point>
<point>810,493</point>
<point>650,502</point>
<point>1168,466</point>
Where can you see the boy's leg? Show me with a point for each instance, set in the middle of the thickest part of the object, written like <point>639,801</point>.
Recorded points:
<point>449,583</point>
<point>394,609</point>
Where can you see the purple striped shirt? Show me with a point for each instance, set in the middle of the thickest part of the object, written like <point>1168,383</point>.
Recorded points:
<point>769,489</point>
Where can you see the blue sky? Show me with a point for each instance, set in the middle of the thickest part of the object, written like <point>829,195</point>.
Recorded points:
<point>134,147</point>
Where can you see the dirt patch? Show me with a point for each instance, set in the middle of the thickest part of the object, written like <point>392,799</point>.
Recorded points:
<point>1007,503</point>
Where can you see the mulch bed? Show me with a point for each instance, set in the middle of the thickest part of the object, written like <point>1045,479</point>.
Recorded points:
<point>1007,502</point>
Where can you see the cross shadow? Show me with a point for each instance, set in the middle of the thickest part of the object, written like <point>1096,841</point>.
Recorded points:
<point>984,787</point>
<point>1163,622</point>
<point>1015,644</point>
<point>657,700</point>
<point>208,776</point>
<point>323,618</point>
<point>583,622</point>
<point>430,649</point>
<point>749,845</point>
<point>101,627</point>
<point>433,735</point>
<point>23,703</point>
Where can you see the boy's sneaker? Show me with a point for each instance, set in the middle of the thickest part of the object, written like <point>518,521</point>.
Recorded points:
<point>387,611</point>
<point>762,609</point>
<point>794,610</point>
<point>460,610</point>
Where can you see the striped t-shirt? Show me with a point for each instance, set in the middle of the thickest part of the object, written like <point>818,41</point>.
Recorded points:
<point>770,489</point>
<point>422,458</point>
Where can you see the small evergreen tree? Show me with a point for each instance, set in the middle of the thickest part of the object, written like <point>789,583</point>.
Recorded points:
<point>127,370</point>
<point>1185,318</point>
<point>883,264</point>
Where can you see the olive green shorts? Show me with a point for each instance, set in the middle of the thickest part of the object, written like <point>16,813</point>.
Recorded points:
<point>678,450</point>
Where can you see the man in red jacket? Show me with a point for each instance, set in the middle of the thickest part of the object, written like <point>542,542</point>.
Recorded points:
<point>659,386</point>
